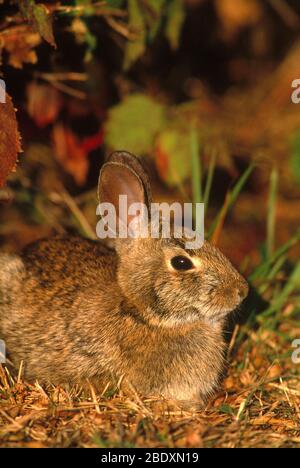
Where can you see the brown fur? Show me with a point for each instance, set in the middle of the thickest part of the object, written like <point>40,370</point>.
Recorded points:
<point>72,310</point>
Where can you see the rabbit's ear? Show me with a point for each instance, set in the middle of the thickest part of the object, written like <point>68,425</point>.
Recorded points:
<point>123,174</point>
<point>132,162</point>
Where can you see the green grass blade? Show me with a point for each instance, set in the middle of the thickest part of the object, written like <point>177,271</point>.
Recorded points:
<point>232,197</point>
<point>263,270</point>
<point>272,212</point>
<point>292,284</point>
<point>196,167</point>
<point>209,180</point>
<point>272,274</point>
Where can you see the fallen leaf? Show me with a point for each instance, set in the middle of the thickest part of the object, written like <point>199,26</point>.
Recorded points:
<point>275,371</point>
<point>229,383</point>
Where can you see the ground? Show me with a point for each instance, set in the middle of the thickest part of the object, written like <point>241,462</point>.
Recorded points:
<point>257,407</point>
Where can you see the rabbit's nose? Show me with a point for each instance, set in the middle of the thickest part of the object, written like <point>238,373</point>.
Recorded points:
<point>243,290</point>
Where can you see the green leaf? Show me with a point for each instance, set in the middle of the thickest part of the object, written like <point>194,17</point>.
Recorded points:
<point>156,5</point>
<point>154,15</point>
<point>175,20</point>
<point>40,17</point>
<point>226,409</point>
<point>135,47</point>
<point>115,3</point>
<point>133,124</point>
<point>91,42</point>
<point>82,2</point>
<point>43,22</point>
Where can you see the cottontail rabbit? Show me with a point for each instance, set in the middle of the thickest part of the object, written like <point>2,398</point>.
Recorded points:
<point>150,310</point>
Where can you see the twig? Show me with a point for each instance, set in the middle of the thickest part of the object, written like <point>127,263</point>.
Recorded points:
<point>55,80</point>
<point>233,338</point>
<point>11,420</point>
<point>68,90</point>
<point>105,389</point>
<point>288,15</point>
<point>67,76</point>
<point>120,28</point>
<point>20,372</point>
<point>94,398</point>
<point>99,9</point>
<point>77,213</point>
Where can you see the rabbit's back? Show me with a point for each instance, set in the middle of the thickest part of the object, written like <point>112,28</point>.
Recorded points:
<point>53,301</point>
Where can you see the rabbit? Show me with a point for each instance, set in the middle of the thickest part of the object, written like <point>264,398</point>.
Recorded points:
<point>148,311</point>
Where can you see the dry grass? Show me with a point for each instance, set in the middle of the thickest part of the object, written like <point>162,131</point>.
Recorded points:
<point>258,406</point>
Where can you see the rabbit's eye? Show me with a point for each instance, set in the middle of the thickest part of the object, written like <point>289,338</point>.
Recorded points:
<point>182,263</point>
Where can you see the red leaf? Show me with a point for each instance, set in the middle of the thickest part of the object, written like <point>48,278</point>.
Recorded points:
<point>43,103</point>
<point>70,154</point>
<point>9,139</point>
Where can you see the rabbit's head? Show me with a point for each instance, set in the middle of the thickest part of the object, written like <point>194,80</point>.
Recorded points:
<point>168,283</point>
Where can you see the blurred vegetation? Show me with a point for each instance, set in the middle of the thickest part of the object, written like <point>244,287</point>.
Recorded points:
<point>88,77</point>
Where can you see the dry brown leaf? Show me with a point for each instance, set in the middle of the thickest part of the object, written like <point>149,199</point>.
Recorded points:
<point>79,29</point>
<point>194,439</point>
<point>275,371</point>
<point>237,14</point>
<point>43,103</point>
<point>9,139</point>
<point>70,153</point>
<point>267,420</point>
<point>19,43</point>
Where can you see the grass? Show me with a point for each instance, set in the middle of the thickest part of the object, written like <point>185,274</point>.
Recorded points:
<point>257,406</point>
<point>232,196</point>
<point>272,211</point>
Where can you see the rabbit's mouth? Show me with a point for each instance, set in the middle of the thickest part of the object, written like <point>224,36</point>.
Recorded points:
<point>209,311</point>
<point>215,314</point>
<point>184,317</point>
<point>220,316</point>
